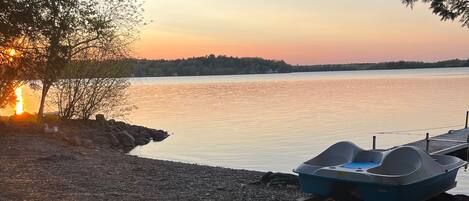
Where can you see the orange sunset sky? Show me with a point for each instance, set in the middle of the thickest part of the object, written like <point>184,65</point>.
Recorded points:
<point>299,31</point>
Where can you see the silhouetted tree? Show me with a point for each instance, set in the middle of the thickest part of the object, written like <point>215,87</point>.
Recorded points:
<point>15,57</point>
<point>8,78</point>
<point>447,9</point>
<point>65,28</point>
<point>94,84</point>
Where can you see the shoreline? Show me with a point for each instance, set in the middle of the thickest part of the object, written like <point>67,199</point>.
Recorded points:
<point>296,72</point>
<point>50,166</point>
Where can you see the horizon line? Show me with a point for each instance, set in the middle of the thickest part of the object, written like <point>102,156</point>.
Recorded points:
<point>318,64</point>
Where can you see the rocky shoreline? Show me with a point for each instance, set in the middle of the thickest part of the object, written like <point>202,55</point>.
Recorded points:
<point>121,136</point>
<point>86,160</point>
<point>100,133</point>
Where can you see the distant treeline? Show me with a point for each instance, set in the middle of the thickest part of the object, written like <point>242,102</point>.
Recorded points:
<point>382,66</point>
<point>209,65</point>
<point>225,65</point>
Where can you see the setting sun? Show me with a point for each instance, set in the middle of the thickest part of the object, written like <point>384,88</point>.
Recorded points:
<point>11,52</point>
<point>19,101</point>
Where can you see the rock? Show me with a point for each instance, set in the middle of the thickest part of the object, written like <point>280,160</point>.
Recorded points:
<point>48,130</point>
<point>100,118</point>
<point>125,139</point>
<point>114,140</point>
<point>266,177</point>
<point>113,134</point>
<point>141,140</point>
<point>158,135</point>
<point>280,179</point>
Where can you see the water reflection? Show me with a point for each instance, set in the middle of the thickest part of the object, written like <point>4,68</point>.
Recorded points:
<point>275,124</point>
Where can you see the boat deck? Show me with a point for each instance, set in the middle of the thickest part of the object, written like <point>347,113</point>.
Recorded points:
<point>453,141</point>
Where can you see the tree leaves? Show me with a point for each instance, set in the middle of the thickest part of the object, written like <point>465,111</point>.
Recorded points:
<point>447,9</point>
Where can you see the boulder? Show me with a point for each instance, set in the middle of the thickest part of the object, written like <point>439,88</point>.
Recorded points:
<point>125,139</point>
<point>114,140</point>
<point>158,135</point>
<point>280,179</point>
<point>141,140</point>
<point>100,118</point>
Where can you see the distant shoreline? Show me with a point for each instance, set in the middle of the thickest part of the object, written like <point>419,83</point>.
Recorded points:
<point>224,65</point>
<point>356,70</point>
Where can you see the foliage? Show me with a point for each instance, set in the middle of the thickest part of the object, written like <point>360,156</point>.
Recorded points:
<point>91,86</point>
<point>14,55</point>
<point>447,9</point>
<point>8,84</point>
<point>14,64</point>
<point>65,28</point>
<point>8,77</point>
<point>208,65</point>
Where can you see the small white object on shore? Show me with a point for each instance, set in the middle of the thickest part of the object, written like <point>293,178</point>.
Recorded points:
<point>54,129</point>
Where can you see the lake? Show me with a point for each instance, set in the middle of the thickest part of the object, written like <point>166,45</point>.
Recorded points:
<point>274,122</point>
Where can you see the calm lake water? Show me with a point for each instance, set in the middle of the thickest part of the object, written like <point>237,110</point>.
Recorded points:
<point>275,122</point>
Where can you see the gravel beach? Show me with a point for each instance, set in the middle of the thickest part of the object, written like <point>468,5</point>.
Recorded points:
<point>37,167</point>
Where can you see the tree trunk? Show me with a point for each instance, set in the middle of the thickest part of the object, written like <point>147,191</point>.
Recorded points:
<point>45,90</point>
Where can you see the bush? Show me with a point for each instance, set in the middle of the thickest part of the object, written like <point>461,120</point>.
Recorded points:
<point>90,87</point>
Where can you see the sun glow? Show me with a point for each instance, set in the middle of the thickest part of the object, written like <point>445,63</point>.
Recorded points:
<point>10,54</point>
<point>19,101</point>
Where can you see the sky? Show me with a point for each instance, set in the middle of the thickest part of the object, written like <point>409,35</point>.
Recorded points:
<point>299,31</point>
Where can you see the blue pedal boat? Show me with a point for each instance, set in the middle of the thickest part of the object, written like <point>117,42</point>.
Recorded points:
<point>402,173</point>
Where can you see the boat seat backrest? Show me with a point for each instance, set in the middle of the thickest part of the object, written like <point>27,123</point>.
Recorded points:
<point>401,161</point>
<point>338,154</point>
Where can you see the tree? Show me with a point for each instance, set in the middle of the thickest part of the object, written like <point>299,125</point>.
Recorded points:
<point>94,84</point>
<point>8,76</point>
<point>65,28</point>
<point>15,55</point>
<point>447,9</point>
<point>16,62</point>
